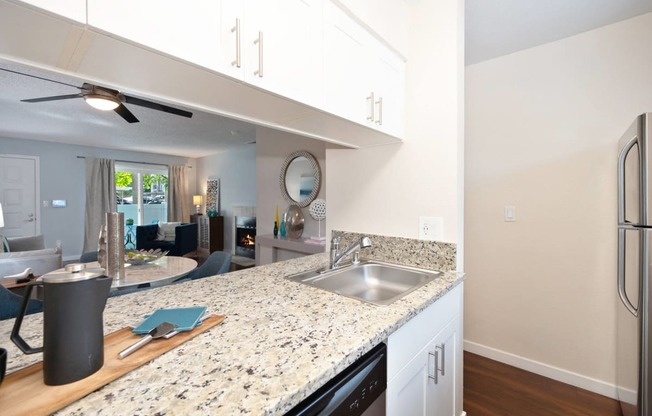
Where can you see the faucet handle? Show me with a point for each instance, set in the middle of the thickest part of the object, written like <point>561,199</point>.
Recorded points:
<point>337,235</point>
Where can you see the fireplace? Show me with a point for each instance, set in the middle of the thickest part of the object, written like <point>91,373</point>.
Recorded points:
<point>245,236</point>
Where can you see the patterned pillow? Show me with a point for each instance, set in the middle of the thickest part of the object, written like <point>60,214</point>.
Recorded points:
<point>4,244</point>
<point>166,231</point>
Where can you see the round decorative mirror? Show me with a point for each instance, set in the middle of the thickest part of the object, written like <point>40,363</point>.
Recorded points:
<point>300,178</point>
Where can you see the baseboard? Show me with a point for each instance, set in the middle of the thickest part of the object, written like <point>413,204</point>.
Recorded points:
<point>555,373</point>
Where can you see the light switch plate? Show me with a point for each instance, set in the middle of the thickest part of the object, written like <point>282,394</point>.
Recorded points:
<point>510,213</point>
<point>431,228</point>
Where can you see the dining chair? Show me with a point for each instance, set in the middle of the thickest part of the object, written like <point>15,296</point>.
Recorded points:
<point>10,304</point>
<point>218,262</point>
<point>88,257</point>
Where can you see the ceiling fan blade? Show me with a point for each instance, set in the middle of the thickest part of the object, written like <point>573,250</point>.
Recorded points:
<point>37,77</point>
<point>155,106</point>
<point>126,114</point>
<point>53,98</point>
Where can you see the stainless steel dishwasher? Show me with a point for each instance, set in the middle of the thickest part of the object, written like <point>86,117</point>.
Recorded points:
<point>358,390</point>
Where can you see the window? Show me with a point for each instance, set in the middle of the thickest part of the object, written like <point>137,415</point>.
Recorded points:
<point>141,192</point>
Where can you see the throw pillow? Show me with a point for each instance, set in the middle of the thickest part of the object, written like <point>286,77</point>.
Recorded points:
<point>4,244</point>
<point>166,231</point>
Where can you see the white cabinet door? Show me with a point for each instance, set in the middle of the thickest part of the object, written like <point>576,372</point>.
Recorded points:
<point>428,384</point>
<point>363,79</point>
<point>190,33</point>
<point>72,9</point>
<point>407,392</point>
<point>283,48</point>
<point>389,88</point>
<point>442,384</point>
<point>348,80</point>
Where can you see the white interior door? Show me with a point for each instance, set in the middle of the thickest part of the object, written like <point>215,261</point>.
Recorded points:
<point>18,195</point>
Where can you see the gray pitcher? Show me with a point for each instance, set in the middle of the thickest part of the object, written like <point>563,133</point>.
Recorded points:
<point>73,326</point>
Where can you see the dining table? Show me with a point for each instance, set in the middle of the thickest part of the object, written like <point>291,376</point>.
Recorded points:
<point>160,272</point>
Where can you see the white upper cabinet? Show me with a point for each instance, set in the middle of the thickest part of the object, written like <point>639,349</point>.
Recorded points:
<point>302,66</point>
<point>72,9</point>
<point>190,33</point>
<point>283,47</point>
<point>363,79</point>
<point>274,45</point>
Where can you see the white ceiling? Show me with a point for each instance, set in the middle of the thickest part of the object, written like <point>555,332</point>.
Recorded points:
<point>500,27</point>
<point>493,28</point>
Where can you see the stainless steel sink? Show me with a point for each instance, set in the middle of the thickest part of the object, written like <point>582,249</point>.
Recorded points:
<point>370,281</point>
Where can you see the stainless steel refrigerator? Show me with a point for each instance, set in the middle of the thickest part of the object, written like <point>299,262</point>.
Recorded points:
<point>634,378</point>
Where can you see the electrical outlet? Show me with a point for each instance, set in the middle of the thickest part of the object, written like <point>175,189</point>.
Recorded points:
<point>431,228</point>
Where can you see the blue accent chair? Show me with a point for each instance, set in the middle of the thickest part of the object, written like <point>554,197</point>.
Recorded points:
<point>88,257</point>
<point>218,262</point>
<point>10,304</point>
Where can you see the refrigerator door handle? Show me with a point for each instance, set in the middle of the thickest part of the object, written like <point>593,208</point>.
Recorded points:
<point>621,179</point>
<point>621,274</point>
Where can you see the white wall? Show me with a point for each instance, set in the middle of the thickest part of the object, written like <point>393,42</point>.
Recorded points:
<point>62,176</point>
<point>384,190</point>
<point>382,16</point>
<point>272,148</point>
<point>236,170</point>
<point>542,129</point>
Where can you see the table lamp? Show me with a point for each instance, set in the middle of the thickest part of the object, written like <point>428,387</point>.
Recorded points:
<point>197,200</point>
<point>2,218</point>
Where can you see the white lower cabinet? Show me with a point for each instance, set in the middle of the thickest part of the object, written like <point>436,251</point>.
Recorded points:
<point>425,375</point>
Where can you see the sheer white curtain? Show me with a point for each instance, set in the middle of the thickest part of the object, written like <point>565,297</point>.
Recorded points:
<point>100,198</point>
<point>178,195</point>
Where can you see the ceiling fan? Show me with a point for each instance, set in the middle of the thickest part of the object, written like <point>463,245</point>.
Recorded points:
<point>105,99</point>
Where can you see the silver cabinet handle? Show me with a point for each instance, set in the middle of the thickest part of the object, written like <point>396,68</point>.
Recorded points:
<point>259,41</point>
<point>438,370</point>
<point>379,121</point>
<point>442,347</point>
<point>236,29</point>
<point>370,101</point>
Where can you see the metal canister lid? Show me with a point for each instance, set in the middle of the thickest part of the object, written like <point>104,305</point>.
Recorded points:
<point>73,272</point>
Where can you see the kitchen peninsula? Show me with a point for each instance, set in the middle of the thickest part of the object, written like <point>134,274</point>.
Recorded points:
<point>280,342</point>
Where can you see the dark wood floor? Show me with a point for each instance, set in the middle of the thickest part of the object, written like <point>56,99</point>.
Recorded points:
<point>496,389</point>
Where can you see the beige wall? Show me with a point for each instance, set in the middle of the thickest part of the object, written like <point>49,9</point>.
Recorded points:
<point>272,147</point>
<point>236,170</point>
<point>384,190</point>
<point>541,133</point>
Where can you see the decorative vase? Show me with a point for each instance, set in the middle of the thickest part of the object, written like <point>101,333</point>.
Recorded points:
<point>101,247</point>
<point>115,249</point>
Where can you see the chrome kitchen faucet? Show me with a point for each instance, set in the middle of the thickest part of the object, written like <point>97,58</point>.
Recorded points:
<point>336,257</point>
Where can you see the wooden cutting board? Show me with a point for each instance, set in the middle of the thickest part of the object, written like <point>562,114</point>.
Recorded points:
<point>24,393</point>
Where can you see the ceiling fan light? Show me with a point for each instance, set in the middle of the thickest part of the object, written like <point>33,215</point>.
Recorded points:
<point>101,102</point>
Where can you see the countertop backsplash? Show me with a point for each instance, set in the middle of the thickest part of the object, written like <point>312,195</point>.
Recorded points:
<point>433,255</point>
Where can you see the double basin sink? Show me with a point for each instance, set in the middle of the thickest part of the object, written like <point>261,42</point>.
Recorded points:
<point>370,281</point>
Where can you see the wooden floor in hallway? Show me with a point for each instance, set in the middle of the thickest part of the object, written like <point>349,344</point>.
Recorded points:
<point>492,388</point>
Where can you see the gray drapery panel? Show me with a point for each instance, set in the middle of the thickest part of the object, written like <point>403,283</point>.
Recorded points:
<point>178,196</point>
<point>100,198</point>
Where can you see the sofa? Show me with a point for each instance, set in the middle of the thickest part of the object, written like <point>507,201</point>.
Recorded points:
<point>179,238</point>
<point>29,252</point>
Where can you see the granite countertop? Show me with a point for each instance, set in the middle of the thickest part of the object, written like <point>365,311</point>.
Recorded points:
<point>281,340</point>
